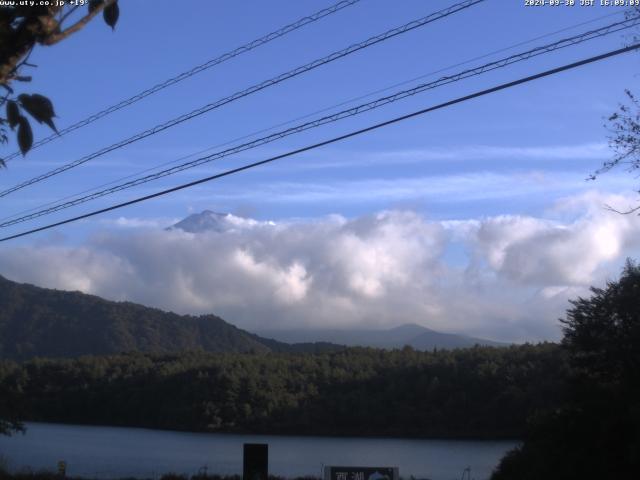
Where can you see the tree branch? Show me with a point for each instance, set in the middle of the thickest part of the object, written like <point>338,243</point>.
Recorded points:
<point>70,12</point>
<point>79,25</point>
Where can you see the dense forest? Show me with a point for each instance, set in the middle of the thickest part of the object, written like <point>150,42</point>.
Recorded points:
<point>43,322</point>
<point>476,392</point>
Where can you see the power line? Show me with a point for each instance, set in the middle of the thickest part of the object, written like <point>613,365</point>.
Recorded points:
<point>253,89</point>
<point>322,110</point>
<point>340,115</point>
<point>523,56</point>
<point>440,106</point>
<point>194,71</point>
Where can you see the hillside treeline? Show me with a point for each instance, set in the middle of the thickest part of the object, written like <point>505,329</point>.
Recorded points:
<point>476,392</point>
<point>42,322</point>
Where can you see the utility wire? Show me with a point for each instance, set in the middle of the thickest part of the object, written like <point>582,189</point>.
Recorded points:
<point>253,89</point>
<point>308,115</point>
<point>440,106</point>
<point>194,71</point>
<point>365,107</point>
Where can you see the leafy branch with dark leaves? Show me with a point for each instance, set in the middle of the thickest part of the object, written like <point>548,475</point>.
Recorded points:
<point>22,28</point>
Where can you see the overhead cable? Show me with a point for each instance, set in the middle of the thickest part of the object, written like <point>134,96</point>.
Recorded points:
<point>350,112</point>
<point>249,166</point>
<point>308,115</point>
<point>247,47</point>
<point>253,89</point>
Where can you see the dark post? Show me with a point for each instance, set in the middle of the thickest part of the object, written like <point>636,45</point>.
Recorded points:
<point>256,461</point>
<point>62,469</point>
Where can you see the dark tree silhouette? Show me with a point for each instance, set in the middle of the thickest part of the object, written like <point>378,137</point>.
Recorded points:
<point>602,333</point>
<point>596,433</point>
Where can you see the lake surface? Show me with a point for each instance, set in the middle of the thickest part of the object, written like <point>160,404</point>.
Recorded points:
<point>111,452</point>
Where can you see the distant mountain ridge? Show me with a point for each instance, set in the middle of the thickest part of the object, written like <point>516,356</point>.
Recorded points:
<point>44,322</point>
<point>416,336</point>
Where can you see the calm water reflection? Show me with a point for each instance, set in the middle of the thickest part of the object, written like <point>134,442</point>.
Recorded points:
<point>109,452</point>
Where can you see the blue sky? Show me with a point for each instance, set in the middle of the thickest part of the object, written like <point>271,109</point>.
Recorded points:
<point>97,68</point>
<point>515,153</point>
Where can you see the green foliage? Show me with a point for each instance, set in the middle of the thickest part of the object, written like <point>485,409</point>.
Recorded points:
<point>477,392</point>
<point>595,432</point>
<point>50,323</point>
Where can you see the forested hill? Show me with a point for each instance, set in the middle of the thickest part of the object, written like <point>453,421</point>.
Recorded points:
<point>43,322</point>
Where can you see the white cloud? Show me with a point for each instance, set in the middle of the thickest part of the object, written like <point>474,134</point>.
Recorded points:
<point>132,222</point>
<point>512,283</point>
<point>579,152</point>
<point>551,253</point>
<point>454,188</point>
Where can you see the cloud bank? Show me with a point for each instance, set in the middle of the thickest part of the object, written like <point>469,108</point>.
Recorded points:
<point>504,277</point>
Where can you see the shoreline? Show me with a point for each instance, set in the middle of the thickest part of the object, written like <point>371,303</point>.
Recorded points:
<point>452,438</point>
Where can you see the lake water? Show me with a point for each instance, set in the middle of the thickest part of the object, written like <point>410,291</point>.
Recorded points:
<point>111,452</point>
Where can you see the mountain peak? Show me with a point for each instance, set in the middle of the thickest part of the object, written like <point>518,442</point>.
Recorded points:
<point>206,220</point>
<point>210,221</point>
